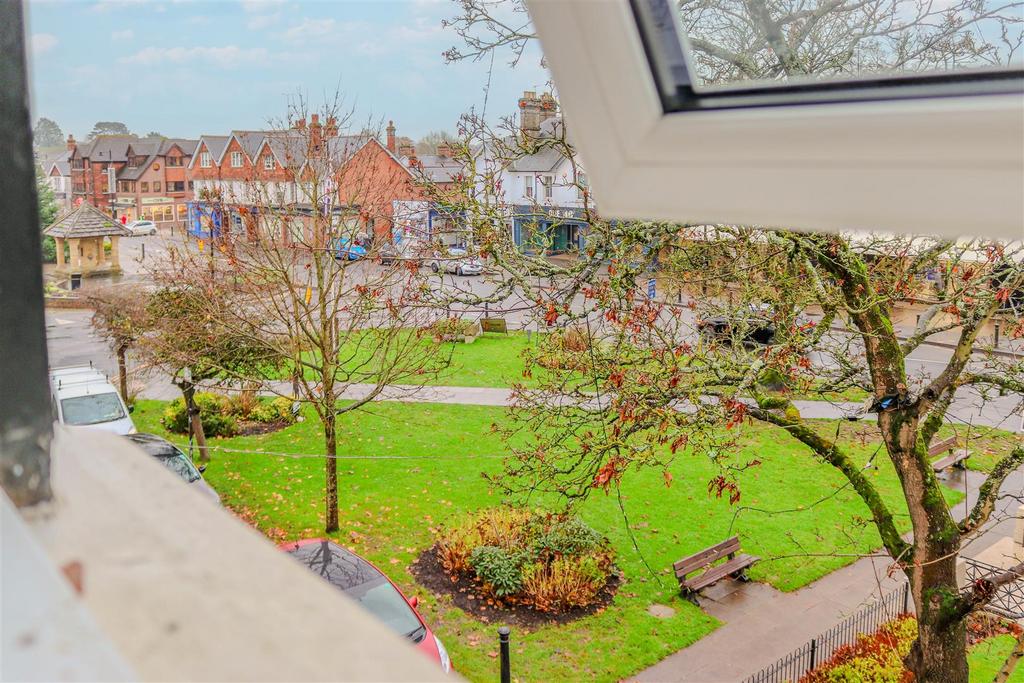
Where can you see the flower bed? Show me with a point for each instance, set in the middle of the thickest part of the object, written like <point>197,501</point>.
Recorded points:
<point>221,415</point>
<point>522,561</point>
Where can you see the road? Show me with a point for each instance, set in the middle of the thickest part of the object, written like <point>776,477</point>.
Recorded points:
<point>70,340</point>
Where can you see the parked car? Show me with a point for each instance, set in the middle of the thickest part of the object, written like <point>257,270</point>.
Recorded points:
<point>348,249</point>
<point>82,396</point>
<point>760,330</point>
<point>374,591</point>
<point>171,457</point>
<point>455,260</point>
<point>409,249</point>
<point>140,227</point>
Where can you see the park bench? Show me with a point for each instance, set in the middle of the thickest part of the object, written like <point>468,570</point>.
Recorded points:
<point>955,458</point>
<point>734,565</point>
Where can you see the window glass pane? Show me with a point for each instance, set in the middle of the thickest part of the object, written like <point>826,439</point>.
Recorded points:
<point>88,410</point>
<point>757,43</point>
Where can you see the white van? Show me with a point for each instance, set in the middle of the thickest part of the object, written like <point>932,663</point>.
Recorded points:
<point>82,396</point>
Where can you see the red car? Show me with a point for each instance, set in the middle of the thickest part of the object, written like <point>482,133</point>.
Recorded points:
<point>368,586</point>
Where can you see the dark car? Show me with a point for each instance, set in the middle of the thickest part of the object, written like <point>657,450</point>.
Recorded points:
<point>759,330</point>
<point>368,586</point>
<point>171,457</point>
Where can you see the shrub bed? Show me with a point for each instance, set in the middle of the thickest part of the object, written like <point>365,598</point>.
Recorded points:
<point>518,558</point>
<point>229,416</point>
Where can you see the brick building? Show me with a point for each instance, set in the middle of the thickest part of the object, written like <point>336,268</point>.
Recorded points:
<point>154,183</point>
<point>137,178</point>
<point>237,175</point>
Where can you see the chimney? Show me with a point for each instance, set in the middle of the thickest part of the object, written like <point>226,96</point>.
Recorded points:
<point>407,150</point>
<point>315,134</point>
<point>332,127</point>
<point>391,136</point>
<point>529,113</point>
<point>71,143</point>
<point>548,107</point>
<point>444,149</point>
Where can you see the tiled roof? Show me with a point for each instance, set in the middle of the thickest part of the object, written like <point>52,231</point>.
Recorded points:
<point>546,159</point>
<point>215,144</point>
<point>107,148</point>
<point>85,220</point>
<point>435,168</point>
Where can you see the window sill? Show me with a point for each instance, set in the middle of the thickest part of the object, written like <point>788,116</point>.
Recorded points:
<point>183,590</point>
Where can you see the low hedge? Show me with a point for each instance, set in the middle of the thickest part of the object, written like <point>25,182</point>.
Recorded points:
<point>221,415</point>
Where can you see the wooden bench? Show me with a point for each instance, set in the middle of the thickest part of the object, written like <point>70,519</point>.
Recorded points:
<point>734,565</point>
<point>955,458</point>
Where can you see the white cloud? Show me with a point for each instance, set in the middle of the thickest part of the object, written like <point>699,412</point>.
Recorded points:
<point>225,57</point>
<point>262,21</point>
<point>42,42</point>
<point>260,6</point>
<point>310,29</point>
<point>126,34</point>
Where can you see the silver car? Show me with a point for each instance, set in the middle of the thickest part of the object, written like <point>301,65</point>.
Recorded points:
<point>137,228</point>
<point>455,260</point>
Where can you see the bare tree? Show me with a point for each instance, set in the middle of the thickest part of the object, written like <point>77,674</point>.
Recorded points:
<point>119,318</point>
<point>305,278</point>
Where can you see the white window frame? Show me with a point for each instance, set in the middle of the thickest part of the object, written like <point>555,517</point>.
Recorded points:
<point>236,160</point>
<point>528,182</point>
<point>951,165</point>
<point>268,163</point>
<point>548,183</point>
<point>205,160</point>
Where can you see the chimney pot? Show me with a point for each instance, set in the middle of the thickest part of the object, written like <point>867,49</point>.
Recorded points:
<point>71,143</point>
<point>444,149</point>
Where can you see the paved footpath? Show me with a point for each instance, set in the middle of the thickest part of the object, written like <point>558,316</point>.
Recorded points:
<point>761,624</point>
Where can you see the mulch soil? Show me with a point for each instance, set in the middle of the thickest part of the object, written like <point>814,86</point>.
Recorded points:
<point>246,428</point>
<point>982,625</point>
<point>467,593</point>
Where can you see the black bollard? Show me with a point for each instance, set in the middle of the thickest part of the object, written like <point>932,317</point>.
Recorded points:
<point>506,667</point>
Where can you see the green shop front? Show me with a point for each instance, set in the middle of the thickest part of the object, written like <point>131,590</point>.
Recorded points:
<point>551,229</point>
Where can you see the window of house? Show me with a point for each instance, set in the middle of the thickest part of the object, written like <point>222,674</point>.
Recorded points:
<point>191,185</point>
<point>268,163</point>
<point>174,161</point>
<point>581,184</point>
<point>236,160</point>
<point>528,186</point>
<point>548,182</point>
<point>205,161</point>
<point>834,120</point>
<point>145,186</point>
<point>156,186</point>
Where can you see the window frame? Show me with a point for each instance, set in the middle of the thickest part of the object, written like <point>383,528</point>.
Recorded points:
<point>236,156</point>
<point>268,163</point>
<point>946,164</point>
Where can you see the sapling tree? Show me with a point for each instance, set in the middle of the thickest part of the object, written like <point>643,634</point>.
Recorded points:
<point>119,317</point>
<point>304,277</point>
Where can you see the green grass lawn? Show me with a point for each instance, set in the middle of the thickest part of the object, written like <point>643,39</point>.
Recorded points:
<point>987,657</point>
<point>791,508</point>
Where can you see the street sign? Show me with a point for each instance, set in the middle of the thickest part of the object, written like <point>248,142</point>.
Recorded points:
<point>652,288</point>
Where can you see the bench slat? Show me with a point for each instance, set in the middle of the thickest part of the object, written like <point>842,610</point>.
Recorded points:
<point>954,459</point>
<point>706,556</point>
<point>942,446</point>
<point>719,572</point>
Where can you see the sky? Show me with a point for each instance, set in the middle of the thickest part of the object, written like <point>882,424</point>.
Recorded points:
<point>188,67</point>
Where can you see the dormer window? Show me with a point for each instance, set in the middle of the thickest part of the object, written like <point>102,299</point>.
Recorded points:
<point>268,163</point>
<point>236,160</point>
<point>205,161</point>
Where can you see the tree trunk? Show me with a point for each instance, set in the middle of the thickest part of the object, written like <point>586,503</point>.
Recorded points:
<point>331,447</point>
<point>939,655</point>
<point>122,370</point>
<point>195,422</point>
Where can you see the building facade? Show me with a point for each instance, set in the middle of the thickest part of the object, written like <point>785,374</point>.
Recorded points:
<point>154,183</point>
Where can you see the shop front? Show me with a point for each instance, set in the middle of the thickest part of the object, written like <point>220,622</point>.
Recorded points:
<point>553,230</point>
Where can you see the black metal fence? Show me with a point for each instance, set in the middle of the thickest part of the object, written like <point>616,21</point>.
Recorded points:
<point>1008,599</point>
<point>805,658</point>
